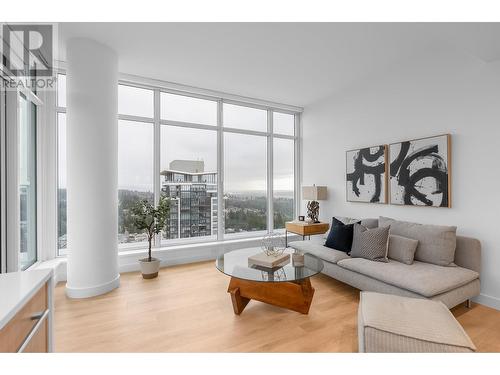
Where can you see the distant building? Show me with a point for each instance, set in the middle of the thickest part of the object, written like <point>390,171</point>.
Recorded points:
<point>193,194</point>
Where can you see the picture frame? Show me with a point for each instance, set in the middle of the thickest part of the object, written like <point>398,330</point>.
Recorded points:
<point>420,172</point>
<point>366,175</point>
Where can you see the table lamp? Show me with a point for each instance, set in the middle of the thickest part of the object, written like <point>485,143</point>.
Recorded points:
<point>313,194</point>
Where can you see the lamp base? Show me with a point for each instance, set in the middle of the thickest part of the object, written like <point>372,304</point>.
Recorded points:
<point>313,211</point>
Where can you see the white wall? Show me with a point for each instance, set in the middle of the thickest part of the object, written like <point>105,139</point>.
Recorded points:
<point>443,92</point>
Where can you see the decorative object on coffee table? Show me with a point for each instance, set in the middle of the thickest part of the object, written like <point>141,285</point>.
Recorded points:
<point>288,286</point>
<point>366,175</point>
<point>301,218</point>
<point>298,259</point>
<point>304,229</point>
<point>273,244</point>
<point>420,172</point>
<point>313,194</point>
<point>268,261</point>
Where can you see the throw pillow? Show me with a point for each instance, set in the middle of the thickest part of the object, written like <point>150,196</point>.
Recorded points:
<point>370,223</point>
<point>370,243</point>
<point>402,248</point>
<point>340,236</point>
<point>346,220</point>
<point>436,243</point>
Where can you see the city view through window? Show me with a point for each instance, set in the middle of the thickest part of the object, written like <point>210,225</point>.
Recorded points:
<point>188,155</point>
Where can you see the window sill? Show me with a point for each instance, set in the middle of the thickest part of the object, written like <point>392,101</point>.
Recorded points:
<point>142,247</point>
<point>128,261</point>
<point>193,245</point>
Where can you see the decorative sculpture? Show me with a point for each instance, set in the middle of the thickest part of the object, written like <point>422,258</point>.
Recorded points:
<point>313,211</point>
<point>273,244</point>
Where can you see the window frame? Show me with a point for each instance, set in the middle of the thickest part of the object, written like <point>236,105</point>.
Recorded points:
<point>3,200</point>
<point>182,241</point>
<point>59,110</point>
<point>138,245</point>
<point>157,87</point>
<point>11,237</point>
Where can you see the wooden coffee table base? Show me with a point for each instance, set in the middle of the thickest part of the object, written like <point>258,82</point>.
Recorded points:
<point>292,295</point>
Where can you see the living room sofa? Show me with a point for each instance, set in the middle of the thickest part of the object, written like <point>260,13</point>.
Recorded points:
<point>451,285</point>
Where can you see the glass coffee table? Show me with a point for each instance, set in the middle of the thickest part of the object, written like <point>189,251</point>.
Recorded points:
<point>288,286</point>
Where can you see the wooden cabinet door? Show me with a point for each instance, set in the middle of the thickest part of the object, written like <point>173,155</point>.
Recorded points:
<point>39,342</point>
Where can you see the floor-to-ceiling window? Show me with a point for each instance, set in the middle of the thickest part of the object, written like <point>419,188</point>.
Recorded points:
<point>179,145</point>
<point>3,175</point>
<point>188,166</point>
<point>245,183</point>
<point>135,175</point>
<point>61,164</point>
<point>19,173</point>
<point>135,159</point>
<point>245,169</point>
<point>27,176</point>
<point>283,168</point>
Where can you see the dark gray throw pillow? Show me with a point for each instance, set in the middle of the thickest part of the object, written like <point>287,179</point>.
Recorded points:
<point>370,243</point>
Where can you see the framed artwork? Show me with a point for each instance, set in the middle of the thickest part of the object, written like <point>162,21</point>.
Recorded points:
<point>420,173</point>
<point>366,175</point>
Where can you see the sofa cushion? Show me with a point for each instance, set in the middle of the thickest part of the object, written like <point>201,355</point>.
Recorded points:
<point>370,243</point>
<point>340,236</point>
<point>388,323</point>
<point>468,253</point>
<point>370,223</point>
<point>422,278</point>
<point>436,243</point>
<point>322,252</point>
<point>402,248</point>
<point>346,220</point>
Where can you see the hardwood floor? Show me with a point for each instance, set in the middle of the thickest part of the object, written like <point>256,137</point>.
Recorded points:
<point>187,309</point>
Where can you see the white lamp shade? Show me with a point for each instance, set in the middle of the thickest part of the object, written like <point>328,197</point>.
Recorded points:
<point>314,193</point>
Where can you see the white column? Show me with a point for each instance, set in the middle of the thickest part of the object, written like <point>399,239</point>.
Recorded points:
<point>92,162</point>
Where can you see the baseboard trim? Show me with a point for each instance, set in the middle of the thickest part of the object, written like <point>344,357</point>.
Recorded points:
<point>94,290</point>
<point>490,301</point>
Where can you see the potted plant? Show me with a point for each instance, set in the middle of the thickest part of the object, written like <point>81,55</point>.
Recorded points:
<point>151,220</point>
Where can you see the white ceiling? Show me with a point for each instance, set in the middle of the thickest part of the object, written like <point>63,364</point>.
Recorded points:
<point>291,63</point>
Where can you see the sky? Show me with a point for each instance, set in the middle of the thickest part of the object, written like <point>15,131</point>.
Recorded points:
<point>244,155</point>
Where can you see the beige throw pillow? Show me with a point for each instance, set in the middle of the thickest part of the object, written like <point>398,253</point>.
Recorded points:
<point>436,243</point>
<point>402,249</point>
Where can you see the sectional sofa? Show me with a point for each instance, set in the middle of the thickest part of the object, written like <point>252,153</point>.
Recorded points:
<point>452,284</point>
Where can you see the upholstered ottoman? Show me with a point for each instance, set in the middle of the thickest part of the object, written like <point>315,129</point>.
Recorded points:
<point>389,324</point>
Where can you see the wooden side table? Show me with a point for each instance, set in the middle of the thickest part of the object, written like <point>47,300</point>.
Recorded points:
<point>304,229</point>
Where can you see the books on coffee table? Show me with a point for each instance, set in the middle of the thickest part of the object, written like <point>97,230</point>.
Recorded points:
<point>268,261</point>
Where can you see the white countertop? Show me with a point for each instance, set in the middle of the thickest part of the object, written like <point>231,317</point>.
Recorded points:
<point>16,288</point>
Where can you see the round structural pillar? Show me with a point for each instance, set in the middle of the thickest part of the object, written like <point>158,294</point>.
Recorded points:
<point>92,168</point>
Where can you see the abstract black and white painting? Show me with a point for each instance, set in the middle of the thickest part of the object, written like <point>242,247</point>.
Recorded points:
<point>420,172</point>
<point>366,175</point>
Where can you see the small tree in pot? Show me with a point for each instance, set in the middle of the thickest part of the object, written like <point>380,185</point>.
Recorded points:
<point>151,220</point>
